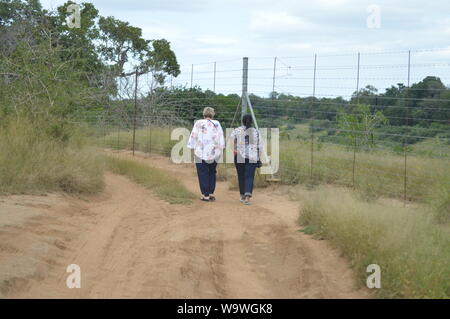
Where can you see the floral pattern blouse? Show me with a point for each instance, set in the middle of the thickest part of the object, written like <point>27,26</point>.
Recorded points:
<point>207,139</point>
<point>247,142</point>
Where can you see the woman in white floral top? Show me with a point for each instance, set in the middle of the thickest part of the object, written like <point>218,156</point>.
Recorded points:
<point>247,150</point>
<point>208,142</point>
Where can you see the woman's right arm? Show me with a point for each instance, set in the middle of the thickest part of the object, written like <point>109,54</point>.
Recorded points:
<point>233,139</point>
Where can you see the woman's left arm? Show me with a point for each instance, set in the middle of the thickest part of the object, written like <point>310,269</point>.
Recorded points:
<point>221,137</point>
<point>260,142</point>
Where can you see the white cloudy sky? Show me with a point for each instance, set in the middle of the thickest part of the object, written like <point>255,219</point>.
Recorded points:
<point>203,31</point>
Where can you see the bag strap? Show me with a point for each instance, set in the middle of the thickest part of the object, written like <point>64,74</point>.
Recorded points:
<point>212,123</point>
<point>257,141</point>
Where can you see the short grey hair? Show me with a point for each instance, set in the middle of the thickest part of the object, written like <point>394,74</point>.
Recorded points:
<point>208,112</point>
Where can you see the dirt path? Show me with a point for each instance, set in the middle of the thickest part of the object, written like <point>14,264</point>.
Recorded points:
<point>130,244</point>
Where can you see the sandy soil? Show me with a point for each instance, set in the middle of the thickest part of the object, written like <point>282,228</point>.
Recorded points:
<point>130,244</point>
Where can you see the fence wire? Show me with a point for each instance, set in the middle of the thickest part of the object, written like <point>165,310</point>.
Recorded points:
<point>309,99</point>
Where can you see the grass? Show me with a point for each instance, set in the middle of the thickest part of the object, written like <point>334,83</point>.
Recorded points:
<point>377,173</point>
<point>433,147</point>
<point>162,183</point>
<point>411,244</point>
<point>41,156</point>
<point>440,201</point>
<point>156,140</point>
<point>34,158</point>
<point>411,249</point>
<point>148,140</point>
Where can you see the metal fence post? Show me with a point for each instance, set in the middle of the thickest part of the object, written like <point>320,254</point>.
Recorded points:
<point>104,133</point>
<point>354,133</point>
<point>169,126</point>
<point>214,84</point>
<point>405,144</point>
<point>150,135</point>
<point>312,119</point>
<point>118,136</point>
<point>135,110</point>
<point>244,85</point>
<point>273,78</point>
<point>147,123</point>
<point>192,75</point>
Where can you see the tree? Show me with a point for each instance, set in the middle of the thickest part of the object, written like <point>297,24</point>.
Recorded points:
<point>423,98</point>
<point>47,66</point>
<point>357,128</point>
<point>79,42</point>
<point>122,43</point>
<point>365,95</point>
<point>12,11</point>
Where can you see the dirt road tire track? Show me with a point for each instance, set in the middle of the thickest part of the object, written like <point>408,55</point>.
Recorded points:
<point>130,244</point>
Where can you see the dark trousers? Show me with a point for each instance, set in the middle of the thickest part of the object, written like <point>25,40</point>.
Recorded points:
<point>206,172</point>
<point>246,176</point>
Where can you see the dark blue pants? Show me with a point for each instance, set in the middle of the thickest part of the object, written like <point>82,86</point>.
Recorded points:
<point>206,176</point>
<point>246,176</point>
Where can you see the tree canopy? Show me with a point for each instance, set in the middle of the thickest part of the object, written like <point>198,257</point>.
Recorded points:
<point>43,58</point>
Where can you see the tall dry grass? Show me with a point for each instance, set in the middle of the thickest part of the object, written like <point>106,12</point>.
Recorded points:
<point>440,201</point>
<point>377,173</point>
<point>37,157</point>
<point>165,186</point>
<point>151,140</point>
<point>412,251</point>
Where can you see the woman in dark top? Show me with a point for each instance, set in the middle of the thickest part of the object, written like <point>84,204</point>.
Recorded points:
<point>247,149</point>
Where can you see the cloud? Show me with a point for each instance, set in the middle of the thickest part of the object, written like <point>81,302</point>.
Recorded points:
<point>297,46</point>
<point>327,4</point>
<point>216,40</point>
<point>444,25</point>
<point>159,31</point>
<point>280,21</point>
<point>209,30</point>
<point>153,5</point>
<point>214,51</point>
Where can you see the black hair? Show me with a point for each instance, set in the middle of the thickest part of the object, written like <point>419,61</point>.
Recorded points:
<point>247,121</point>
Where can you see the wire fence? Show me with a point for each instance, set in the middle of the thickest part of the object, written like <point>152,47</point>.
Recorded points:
<point>313,100</point>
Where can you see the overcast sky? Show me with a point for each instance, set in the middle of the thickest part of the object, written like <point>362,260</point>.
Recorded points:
<point>203,31</point>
